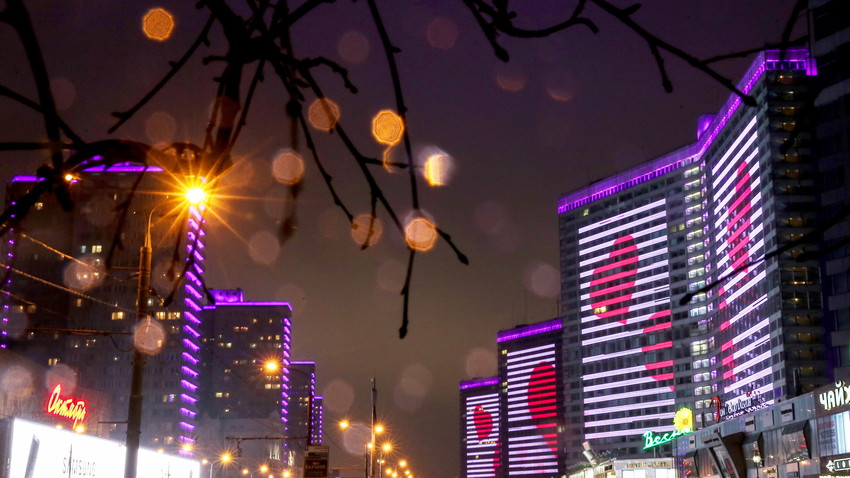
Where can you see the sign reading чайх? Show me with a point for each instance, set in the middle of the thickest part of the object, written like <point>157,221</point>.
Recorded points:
<point>833,398</point>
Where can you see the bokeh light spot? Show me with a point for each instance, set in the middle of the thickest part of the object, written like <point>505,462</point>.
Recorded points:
<point>353,48</point>
<point>338,396</point>
<point>160,127</point>
<point>61,374</point>
<point>437,168</point>
<point>442,33</point>
<point>323,114</point>
<point>543,280</point>
<point>366,230</point>
<point>15,323</point>
<point>158,24</point>
<point>391,275</point>
<point>413,387</point>
<point>263,248</point>
<point>149,336</point>
<point>387,127</point>
<point>481,362</point>
<point>511,80</point>
<point>356,437</point>
<point>288,167</point>
<point>17,382</point>
<point>420,234</point>
<point>84,273</point>
<point>561,87</point>
<point>64,92</point>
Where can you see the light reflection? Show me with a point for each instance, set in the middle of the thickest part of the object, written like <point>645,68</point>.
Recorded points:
<point>442,33</point>
<point>366,230</point>
<point>353,48</point>
<point>420,234</point>
<point>288,167</point>
<point>324,114</point>
<point>158,24</point>
<point>387,129</point>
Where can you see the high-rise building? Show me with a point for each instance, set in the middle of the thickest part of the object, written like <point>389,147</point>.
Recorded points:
<point>531,400</point>
<point>831,46</point>
<point>642,337</point>
<point>57,281</point>
<point>480,417</point>
<point>224,366</point>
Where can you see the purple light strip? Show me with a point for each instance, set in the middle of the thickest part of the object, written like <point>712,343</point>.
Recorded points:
<point>766,61</point>
<point>479,382</point>
<point>527,331</point>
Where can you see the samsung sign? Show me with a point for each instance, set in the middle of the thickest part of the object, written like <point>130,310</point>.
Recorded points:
<point>41,451</point>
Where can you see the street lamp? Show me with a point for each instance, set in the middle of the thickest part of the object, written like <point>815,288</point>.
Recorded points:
<point>193,195</point>
<point>224,458</point>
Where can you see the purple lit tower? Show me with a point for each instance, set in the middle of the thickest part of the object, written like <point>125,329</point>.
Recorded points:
<point>531,404</point>
<point>248,375</point>
<point>57,282</point>
<point>634,244</point>
<point>480,438</point>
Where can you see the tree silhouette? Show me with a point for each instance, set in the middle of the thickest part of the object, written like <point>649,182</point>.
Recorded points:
<point>257,47</point>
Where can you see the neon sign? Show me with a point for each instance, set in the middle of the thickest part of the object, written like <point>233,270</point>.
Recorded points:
<point>66,407</point>
<point>683,423</point>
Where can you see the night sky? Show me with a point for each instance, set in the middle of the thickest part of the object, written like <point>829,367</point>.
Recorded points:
<point>565,111</point>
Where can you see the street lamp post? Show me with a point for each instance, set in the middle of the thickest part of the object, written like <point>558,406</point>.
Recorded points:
<point>134,412</point>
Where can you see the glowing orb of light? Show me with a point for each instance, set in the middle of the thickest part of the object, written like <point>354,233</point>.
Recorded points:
<point>324,114</point>
<point>288,167</point>
<point>437,168</point>
<point>366,230</point>
<point>420,234</point>
<point>84,273</point>
<point>387,127</point>
<point>158,24</point>
<point>149,337</point>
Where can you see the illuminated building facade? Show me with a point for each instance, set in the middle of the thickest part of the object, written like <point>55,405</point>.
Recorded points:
<point>480,441</point>
<point>633,245</point>
<point>57,282</point>
<point>531,400</point>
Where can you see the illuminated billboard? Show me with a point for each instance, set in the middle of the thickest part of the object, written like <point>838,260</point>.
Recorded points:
<point>738,237</point>
<point>42,451</point>
<point>481,454</point>
<point>625,322</point>
<point>532,385</point>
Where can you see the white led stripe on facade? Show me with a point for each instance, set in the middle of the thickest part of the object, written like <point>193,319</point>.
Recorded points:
<point>616,371</point>
<point>621,383</point>
<point>638,271</point>
<point>635,235</point>
<point>640,247</point>
<point>641,257</point>
<point>638,282</point>
<point>744,288</point>
<point>757,232</point>
<point>722,182</point>
<point>633,406</point>
<point>617,324</point>
<point>734,145</point>
<point>720,208</point>
<point>626,297</point>
<point>621,421</point>
<point>661,303</point>
<point>548,359</point>
<point>749,364</point>
<point>618,217</point>
<point>628,432</point>
<point>619,396</point>
<point>629,225</point>
<point>750,379</point>
<point>747,310</point>
<point>517,353</point>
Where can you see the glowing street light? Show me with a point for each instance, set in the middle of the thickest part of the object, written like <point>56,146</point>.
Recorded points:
<point>148,338</point>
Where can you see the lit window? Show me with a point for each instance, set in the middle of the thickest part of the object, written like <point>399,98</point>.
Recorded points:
<point>97,248</point>
<point>39,206</point>
<point>160,315</point>
<point>118,315</point>
<point>83,249</point>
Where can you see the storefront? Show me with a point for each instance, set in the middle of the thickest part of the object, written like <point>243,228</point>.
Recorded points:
<point>805,437</point>
<point>35,450</point>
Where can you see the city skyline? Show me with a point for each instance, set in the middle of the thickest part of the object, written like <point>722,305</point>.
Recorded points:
<point>502,216</point>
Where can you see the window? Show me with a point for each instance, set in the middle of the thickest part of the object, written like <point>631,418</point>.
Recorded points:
<point>118,315</point>
<point>97,248</point>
